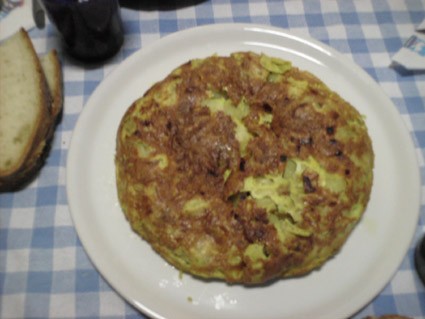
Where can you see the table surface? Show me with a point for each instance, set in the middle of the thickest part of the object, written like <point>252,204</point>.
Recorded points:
<point>44,270</point>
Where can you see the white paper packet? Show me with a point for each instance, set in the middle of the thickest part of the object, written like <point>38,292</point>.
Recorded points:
<point>412,55</point>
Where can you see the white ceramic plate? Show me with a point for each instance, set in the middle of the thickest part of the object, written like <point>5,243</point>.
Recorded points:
<point>344,285</point>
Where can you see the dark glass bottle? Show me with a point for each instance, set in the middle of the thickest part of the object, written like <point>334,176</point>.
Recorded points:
<point>91,29</point>
<point>420,258</point>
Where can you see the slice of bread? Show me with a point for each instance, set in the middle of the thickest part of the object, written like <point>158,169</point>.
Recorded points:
<point>27,108</point>
<point>24,101</point>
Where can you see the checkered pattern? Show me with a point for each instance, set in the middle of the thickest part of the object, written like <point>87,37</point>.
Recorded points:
<point>44,271</point>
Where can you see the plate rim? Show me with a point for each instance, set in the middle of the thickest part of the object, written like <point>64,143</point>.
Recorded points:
<point>222,27</point>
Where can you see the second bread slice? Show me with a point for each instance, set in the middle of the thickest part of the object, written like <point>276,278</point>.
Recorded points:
<point>53,72</point>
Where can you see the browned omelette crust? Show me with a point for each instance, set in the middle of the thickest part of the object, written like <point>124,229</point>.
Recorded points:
<point>268,185</point>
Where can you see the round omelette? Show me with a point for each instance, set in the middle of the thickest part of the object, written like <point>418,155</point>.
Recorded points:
<point>243,168</point>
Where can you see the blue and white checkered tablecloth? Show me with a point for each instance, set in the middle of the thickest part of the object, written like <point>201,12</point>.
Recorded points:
<point>44,270</point>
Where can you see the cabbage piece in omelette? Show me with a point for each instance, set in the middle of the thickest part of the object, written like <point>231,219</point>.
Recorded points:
<point>243,168</point>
